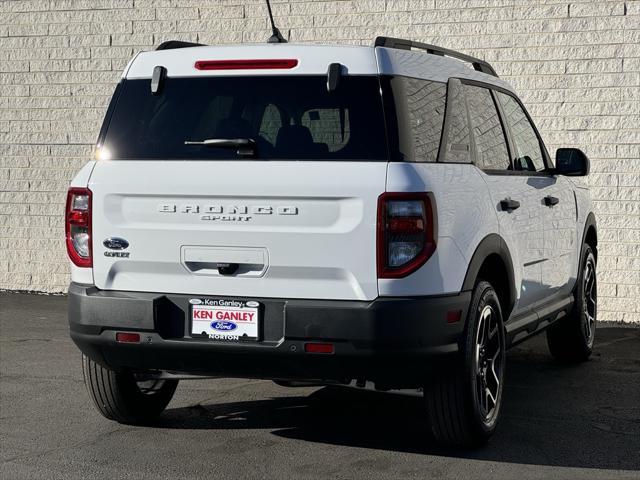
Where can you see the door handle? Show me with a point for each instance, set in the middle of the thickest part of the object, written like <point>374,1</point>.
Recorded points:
<point>509,205</point>
<point>550,201</point>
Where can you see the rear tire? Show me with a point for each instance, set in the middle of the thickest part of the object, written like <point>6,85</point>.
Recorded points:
<point>463,403</point>
<point>571,339</point>
<point>123,398</point>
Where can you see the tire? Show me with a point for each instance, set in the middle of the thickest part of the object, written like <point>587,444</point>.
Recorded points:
<point>571,339</point>
<point>460,414</point>
<point>120,397</point>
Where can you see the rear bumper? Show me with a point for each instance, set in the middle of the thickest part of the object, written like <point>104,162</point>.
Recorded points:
<point>389,340</point>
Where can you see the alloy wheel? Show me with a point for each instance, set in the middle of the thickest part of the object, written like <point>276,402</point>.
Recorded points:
<point>488,368</point>
<point>590,300</point>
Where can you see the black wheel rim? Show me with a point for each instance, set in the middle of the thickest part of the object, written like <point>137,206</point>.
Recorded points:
<point>488,363</point>
<point>589,300</point>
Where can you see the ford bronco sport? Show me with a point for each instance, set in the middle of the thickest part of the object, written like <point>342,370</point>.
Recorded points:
<point>384,216</point>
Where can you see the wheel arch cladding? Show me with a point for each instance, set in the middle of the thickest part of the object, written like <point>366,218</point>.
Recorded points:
<point>492,262</point>
<point>590,235</point>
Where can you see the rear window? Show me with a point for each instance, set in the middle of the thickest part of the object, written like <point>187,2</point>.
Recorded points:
<point>288,117</point>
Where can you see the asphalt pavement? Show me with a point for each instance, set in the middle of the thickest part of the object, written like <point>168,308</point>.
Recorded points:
<point>574,422</point>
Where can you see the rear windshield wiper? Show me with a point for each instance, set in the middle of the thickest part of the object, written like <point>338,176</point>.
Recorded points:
<point>246,147</point>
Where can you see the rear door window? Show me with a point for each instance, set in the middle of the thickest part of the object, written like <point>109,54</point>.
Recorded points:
<point>488,134</point>
<point>288,117</point>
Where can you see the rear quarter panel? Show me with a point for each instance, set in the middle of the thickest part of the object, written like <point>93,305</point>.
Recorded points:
<point>463,214</point>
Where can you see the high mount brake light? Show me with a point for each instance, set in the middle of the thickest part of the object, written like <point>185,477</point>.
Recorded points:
<point>259,64</point>
<point>405,238</point>
<point>78,227</point>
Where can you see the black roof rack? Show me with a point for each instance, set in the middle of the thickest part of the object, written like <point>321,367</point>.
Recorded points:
<point>479,65</point>
<point>171,44</point>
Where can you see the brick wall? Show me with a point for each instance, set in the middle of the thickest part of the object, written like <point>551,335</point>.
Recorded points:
<point>575,63</point>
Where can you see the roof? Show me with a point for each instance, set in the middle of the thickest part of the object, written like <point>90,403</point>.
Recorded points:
<point>313,59</point>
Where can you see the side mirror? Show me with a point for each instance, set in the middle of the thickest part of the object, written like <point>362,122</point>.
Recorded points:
<point>572,162</point>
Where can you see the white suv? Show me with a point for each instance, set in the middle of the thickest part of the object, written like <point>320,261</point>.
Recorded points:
<point>382,216</point>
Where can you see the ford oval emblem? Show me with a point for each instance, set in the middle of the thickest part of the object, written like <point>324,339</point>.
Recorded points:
<point>223,326</point>
<point>195,301</point>
<point>115,243</point>
<point>251,303</point>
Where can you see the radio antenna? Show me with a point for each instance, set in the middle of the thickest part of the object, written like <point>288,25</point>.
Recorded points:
<point>276,36</point>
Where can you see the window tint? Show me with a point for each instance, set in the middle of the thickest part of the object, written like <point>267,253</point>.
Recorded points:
<point>271,123</point>
<point>329,126</point>
<point>490,143</point>
<point>458,144</point>
<point>418,107</point>
<point>289,117</point>
<point>527,145</point>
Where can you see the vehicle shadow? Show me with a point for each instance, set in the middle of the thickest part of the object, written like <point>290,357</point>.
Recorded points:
<point>581,416</point>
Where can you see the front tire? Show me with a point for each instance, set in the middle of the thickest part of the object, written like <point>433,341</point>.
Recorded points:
<point>124,398</point>
<point>463,403</point>
<point>571,339</point>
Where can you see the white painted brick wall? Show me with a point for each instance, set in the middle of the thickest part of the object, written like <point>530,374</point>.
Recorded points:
<point>576,65</point>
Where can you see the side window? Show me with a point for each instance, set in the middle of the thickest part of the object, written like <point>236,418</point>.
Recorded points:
<point>425,106</point>
<point>527,144</point>
<point>490,143</point>
<point>419,109</point>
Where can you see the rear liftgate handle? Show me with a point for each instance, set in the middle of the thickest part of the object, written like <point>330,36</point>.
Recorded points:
<point>509,205</point>
<point>227,268</point>
<point>225,261</point>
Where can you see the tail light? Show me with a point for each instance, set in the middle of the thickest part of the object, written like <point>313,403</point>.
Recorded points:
<point>78,226</point>
<point>405,233</point>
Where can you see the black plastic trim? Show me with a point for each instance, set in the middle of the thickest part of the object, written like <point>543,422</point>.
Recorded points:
<point>589,222</point>
<point>535,321</point>
<point>453,83</point>
<point>172,44</point>
<point>535,262</point>
<point>334,73</point>
<point>491,244</point>
<point>157,79</point>
<point>511,146</point>
<point>387,337</point>
<point>403,44</point>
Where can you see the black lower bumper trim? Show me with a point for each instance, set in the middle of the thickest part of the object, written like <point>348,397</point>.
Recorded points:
<point>385,339</point>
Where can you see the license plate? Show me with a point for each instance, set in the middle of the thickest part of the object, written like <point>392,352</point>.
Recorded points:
<point>227,320</point>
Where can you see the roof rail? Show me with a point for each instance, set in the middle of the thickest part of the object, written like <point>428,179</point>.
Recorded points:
<point>171,44</point>
<point>399,43</point>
